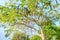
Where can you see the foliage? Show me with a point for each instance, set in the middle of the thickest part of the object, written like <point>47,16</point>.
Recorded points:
<point>57,29</point>
<point>19,36</point>
<point>36,37</point>
<point>40,12</point>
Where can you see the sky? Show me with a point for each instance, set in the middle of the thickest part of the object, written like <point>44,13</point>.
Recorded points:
<point>2,37</point>
<point>3,1</point>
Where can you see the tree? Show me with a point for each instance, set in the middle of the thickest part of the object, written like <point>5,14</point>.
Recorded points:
<point>19,36</point>
<point>41,13</point>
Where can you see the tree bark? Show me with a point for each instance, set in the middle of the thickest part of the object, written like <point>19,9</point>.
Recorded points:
<point>42,34</point>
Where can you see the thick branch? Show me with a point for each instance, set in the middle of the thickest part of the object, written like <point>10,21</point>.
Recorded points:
<point>36,21</point>
<point>26,25</point>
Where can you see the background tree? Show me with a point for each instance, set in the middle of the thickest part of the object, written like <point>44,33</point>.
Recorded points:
<point>19,36</point>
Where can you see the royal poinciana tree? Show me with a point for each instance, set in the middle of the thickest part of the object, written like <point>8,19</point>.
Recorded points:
<point>28,13</point>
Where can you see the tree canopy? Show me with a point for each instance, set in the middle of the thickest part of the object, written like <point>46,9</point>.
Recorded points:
<point>25,14</point>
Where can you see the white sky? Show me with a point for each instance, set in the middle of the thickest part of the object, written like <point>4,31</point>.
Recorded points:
<point>3,1</point>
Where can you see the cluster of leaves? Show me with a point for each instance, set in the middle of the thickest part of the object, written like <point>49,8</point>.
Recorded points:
<point>57,29</point>
<point>35,37</point>
<point>19,36</point>
<point>23,36</point>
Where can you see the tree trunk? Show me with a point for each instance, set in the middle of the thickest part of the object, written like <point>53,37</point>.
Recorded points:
<point>42,34</point>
